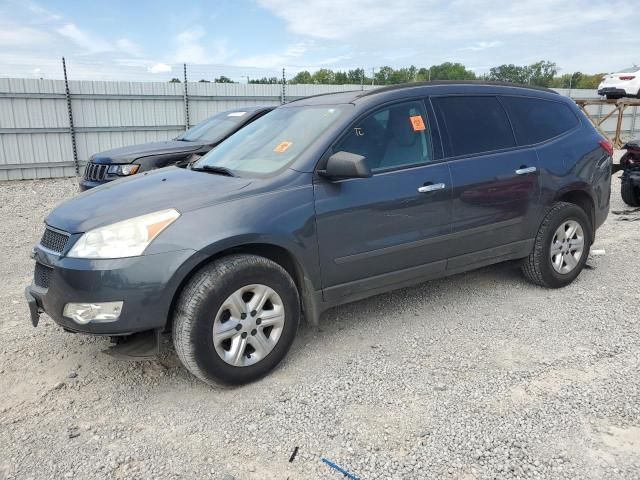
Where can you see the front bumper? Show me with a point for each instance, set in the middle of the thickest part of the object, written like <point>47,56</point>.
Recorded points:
<point>146,284</point>
<point>88,184</point>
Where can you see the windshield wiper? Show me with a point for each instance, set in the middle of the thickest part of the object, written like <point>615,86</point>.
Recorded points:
<point>214,169</point>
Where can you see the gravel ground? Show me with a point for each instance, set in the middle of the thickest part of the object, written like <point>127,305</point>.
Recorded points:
<point>477,376</point>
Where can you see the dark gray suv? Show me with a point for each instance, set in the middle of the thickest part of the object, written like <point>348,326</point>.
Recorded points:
<point>320,202</point>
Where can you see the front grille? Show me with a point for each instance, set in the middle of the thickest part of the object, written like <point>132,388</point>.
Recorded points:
<point>42,275</point>
<point>54,241</point>
<point>95,172</point>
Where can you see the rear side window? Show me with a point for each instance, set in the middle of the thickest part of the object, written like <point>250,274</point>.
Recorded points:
<point>473,124</point>
<point>535,120</point>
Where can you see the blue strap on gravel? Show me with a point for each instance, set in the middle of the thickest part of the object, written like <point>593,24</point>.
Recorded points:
<point>339,469</point>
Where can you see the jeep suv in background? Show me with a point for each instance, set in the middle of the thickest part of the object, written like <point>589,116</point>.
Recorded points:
<point>126,161</point>
<point>324,201</point>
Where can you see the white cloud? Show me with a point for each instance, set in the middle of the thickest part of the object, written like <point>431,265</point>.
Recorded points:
<point>576,34</point>
<point>127,46</point>
<point>17,35</point>
<point>159,68</point>
<point>479,46</point>
<point>277,59</point>
<point>192,47</point>
<point>86,40</point>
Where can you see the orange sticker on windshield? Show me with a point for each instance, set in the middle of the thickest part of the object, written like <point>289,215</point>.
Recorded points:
<point>417,123</point>
<point>282,147</point>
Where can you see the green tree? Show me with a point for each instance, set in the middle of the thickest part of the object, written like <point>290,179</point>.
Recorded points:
<point>509,73</point>
<point>355,77</point>
<point>541,73</point>
<point>265,80</point>
<point>203,81</point>
<point>340,78</point>
<point>384,76</point>
<point>324,76</point>
<point>174,80</point>
<point>223,79</point>
<point>578,80</point>
<point>446,71</point>
<point>590,81</point>
<point>301,78</point>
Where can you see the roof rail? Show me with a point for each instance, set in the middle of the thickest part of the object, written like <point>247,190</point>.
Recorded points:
<point>323,95</point>
<point>454,82</point>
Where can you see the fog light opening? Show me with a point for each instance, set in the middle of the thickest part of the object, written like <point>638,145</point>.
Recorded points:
<point>84,313</point>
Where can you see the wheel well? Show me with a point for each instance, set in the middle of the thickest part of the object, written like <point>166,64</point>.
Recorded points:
<point>277,254</point>
<point>584,201</point>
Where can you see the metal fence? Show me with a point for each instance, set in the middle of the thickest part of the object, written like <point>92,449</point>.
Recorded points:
<point>38,140</point>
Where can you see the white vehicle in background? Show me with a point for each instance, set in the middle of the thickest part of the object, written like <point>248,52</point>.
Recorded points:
<point>625,83</point>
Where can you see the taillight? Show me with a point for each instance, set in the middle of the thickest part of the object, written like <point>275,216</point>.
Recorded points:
<point>628,77</point>
<point>607,146</point>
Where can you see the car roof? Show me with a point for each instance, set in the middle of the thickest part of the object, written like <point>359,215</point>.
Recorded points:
<point>451,86</point>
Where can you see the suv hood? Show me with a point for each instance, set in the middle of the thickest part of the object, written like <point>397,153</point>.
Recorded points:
<point>130,153</point>
<point>170,187</point>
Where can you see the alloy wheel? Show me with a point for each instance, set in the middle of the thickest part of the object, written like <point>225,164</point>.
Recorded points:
<point>567,247</point>
<point>248,325</point>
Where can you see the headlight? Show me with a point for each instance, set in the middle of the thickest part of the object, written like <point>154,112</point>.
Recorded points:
<point>123,170</point>
<point>123,239</point>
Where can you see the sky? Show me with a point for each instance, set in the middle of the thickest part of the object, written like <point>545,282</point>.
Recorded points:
<point>150,40</point>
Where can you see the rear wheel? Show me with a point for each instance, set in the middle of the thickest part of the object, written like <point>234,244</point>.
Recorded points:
<point>236,319</point>
<point>630,193</point>
<point>561,247</point>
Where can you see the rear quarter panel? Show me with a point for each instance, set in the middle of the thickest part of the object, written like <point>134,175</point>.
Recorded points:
<point>575,161</point>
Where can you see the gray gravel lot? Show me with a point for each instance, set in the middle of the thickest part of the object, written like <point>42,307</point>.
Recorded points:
<point>476,376</point>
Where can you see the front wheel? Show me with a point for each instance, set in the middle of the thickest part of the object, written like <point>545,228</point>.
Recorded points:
<point>561,247</point>
<point>630,193</point>
<point>236,319</point>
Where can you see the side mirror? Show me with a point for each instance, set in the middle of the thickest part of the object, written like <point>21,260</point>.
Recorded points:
<point>346,165</point>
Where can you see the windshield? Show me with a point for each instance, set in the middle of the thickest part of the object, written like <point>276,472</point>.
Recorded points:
<point>273,141</point>
<point>215,128</point>
<point>635,68</point>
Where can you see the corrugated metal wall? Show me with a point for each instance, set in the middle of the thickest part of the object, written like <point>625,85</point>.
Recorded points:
<point>34,124</point>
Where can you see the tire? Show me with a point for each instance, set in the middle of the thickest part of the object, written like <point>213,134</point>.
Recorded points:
<point>203,303</point>
<point>629,193</point>
<point>538,267</point>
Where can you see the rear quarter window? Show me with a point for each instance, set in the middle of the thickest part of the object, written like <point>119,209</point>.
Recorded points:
<point>473,125</point>
<point>536,120</point>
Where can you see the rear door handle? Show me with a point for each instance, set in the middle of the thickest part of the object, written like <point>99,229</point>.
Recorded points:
<point>431,188</point>
<point>525,170</point>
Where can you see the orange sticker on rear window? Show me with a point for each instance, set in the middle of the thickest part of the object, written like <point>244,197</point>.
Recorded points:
<point>417,123</point>
<point>282,147</point>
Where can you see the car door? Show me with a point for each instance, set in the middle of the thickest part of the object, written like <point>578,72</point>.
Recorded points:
<point>388,229</point>
<point>495,185</point>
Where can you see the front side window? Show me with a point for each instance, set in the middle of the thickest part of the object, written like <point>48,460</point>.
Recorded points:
<point>393,137</point>
<point>536,120</point>
<point>473,125</point>
<point>273,141</point>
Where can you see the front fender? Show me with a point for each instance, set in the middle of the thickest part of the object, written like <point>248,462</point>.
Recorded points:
<point>283,218</point>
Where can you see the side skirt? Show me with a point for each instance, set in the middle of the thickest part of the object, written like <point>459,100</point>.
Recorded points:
<point>368,287</point>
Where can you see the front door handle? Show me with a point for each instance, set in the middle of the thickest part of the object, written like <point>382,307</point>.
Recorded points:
<point>525,170</point>
<point>431,188</point>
